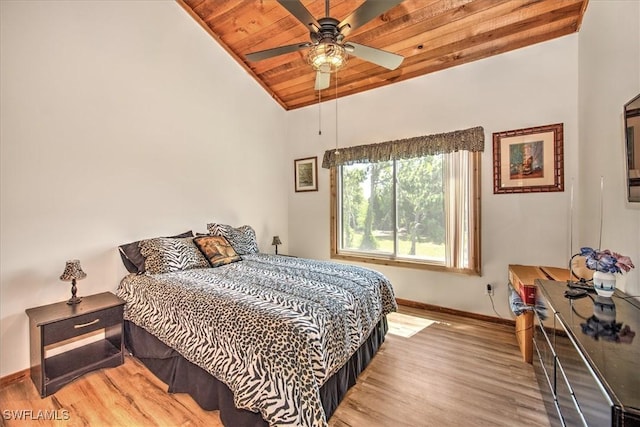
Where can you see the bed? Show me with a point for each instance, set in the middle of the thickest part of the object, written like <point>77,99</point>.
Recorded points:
<point>266,339</point>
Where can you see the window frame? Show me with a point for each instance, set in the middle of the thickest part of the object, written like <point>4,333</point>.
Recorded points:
<point>474,255</point>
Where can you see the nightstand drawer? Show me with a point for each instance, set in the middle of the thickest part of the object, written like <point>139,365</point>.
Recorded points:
<point>76,326</point>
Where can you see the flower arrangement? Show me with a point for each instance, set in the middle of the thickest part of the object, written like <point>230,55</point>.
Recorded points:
<point>606,261</point>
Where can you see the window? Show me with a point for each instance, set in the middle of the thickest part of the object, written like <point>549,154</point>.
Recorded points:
<point>421,212</point>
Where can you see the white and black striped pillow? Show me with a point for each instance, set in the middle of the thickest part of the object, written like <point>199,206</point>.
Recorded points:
<point>243,239</point>
<point>133,259</point>
<point>165,255</point>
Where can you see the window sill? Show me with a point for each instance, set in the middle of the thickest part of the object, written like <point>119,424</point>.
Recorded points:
<point>403,263</point>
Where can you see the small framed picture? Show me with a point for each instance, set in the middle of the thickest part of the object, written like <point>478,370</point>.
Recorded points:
<point>528,160</point>
<point>306,174</point>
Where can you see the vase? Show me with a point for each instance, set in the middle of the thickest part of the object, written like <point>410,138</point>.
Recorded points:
<point>604,283</point>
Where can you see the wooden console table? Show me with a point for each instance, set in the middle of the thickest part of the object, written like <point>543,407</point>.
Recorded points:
<point>522,278</point>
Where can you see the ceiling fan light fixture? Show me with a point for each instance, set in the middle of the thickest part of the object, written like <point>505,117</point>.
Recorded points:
<point>327,57</point>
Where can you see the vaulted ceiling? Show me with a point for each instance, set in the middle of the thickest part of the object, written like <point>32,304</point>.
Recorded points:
<point>431,35</point>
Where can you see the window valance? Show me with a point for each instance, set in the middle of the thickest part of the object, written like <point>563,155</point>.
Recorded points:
<point>468,139</point>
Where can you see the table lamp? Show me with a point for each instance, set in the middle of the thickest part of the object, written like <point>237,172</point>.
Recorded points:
<point>73,272</point>
<point>276,242</point>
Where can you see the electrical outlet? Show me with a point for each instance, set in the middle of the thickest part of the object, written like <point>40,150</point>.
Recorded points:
<point>489,289</point>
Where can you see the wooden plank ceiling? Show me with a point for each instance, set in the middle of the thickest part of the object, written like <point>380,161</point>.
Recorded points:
<point>430,34</point>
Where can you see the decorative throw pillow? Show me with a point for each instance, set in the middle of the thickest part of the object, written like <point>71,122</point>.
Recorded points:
<point>243,239</point>
<point>165,255</point>
<point>217,250</point>
<point>133,259</point>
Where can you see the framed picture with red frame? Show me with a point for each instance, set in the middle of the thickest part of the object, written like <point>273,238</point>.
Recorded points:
<point>528,160</point>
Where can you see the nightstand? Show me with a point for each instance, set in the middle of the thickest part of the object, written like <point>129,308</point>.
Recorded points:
<point>54,325</point>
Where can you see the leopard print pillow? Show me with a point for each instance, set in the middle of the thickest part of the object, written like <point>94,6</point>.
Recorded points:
<point>165,255</point>
<point>243,239</point>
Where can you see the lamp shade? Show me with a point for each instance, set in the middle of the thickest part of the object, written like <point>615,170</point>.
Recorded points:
<point>327,57</point>
<point>276,240</point>
<point>72,271</point>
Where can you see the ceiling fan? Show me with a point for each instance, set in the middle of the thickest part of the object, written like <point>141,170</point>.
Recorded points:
<point>327,48</point>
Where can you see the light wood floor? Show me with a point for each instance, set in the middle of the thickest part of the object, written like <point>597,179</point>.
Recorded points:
<point>458,372</point>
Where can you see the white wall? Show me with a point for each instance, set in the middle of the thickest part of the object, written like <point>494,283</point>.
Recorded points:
<point>524,88</point>
<point>609,77</point>
<point>121,121</point>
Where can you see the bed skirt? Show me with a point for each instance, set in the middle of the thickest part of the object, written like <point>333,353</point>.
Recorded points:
<point>183,376</point>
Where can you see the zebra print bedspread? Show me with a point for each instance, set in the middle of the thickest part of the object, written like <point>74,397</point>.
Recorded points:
<point>272,328</point>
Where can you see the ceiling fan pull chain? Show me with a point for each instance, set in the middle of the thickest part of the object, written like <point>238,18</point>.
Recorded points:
<point>336,152</point>
<point>319,112</point>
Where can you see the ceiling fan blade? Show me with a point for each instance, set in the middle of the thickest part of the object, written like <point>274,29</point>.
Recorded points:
<point>379,57</point>
<point>301,13</point>
<point>270,53</point>
<point>322,80</point>
<point>365,13</point>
